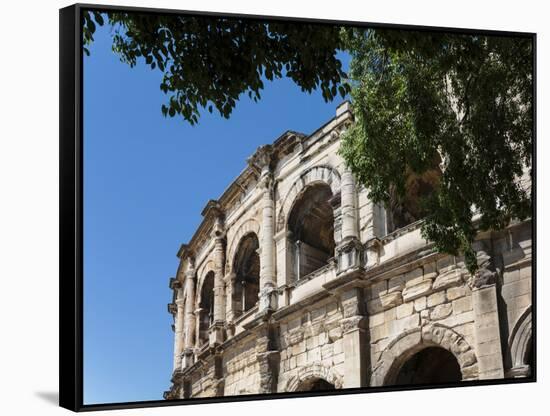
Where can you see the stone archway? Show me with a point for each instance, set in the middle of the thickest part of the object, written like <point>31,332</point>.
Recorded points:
<point>401,349</point>
<point>317,174</point>
<point>308,375</point>
<point>520,343</point>
<point>247,227</point>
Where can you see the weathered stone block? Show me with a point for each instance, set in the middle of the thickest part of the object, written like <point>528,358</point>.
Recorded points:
<point>420,304</point>
<point>379,332</point>
<point>462,305</point>
<point>456,292</point>
<point>460,319</point>
<point>396,284</point>
<point>338,346</point>
<point>335,333</point>
<point>421,289</point>
<point>436,299</point>
<point>301,359</point>
<point>376,319</point>
<point>314,355</point>
<point>510,276</point>
<point>414,277</point>
<point>404,310</point>
<point>327,351</point>
<point>374,306</point>
<point>487,333</point>
<point>488,348</point>
<point>441,311</point>
<point>449,279</point>
<point>397,327</point>
<point>378,289</point>
<point>390,300</point>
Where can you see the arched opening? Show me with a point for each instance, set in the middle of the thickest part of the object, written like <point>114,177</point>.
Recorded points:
<point>431,365</point>
<point>311,223</point>
<point>206,307</point>
<point>404,210</point>
<point>247,270</point>
<point>315,384</point>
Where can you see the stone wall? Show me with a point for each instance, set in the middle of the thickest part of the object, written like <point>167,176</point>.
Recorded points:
<point>357,321</point>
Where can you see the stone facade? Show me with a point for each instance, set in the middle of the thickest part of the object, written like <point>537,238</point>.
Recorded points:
<point>292,282</point>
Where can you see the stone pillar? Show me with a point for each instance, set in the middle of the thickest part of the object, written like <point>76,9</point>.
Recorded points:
<point>268,359</point>
<point>189,319</point>
<point>349,248</point>
<point>262,160</point>
<point>179,328</point>
<point>355,339</point>
<point>229,280</point>
<point>486,320</point>
<point>285,266</point>
<point>218,326</point>
<point>198,312</point>
<point>349,211</point>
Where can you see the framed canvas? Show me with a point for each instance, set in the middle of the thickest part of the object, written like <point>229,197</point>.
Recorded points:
<point>260,207</point>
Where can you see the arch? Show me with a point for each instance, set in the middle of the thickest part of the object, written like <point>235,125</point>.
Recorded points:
<point>206,306</point>
<point>202,273</point>
<point>248,226</point>
<point>246,266</point>
<point>322,173</point>
<point>413,341</point>
<point>520,340</point>
<point>311,373</point>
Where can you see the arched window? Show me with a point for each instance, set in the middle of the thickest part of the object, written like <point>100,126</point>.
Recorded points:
<point>311,223</point>
<point>431,365</point>
<point>206,307</point>
<point>247,270</point>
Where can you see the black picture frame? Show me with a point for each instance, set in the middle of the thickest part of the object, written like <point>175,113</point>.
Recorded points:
<point>71,210</point>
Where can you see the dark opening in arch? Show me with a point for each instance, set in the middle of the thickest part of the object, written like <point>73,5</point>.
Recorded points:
<point>311,223</point>
<point>247,270</point>
<point>432,365</point>
<point>315,384</point>
<point>206,306</point>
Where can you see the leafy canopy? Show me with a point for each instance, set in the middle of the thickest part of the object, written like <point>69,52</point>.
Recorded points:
<point>209,62</point>
<point>459,104</point>
<point>458,101</point>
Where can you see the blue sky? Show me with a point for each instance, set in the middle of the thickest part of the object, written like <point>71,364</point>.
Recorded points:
<point>146,180</point>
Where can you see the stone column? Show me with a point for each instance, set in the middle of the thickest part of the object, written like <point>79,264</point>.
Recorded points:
<point>268,358</point>
<point>189,319</point>
<point>229,280</point>
<point>349,211</point>
<point>349,248</point>
<point>486,319</point>
<point>262,160</point>
<point>355,339</point>
<point>179,328</point>
<point>217,328</point>
<point>198,312</point>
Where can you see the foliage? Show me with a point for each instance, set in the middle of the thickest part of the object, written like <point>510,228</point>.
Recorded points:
<point>461,101</point>
<point>453,110</point>
<point>209,62</point>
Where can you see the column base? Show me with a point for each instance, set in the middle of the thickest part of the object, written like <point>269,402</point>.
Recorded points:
<point>349,254</point>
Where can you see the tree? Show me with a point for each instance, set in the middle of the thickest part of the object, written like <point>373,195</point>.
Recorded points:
<point>209,62</point>
<point>454,108</point>
<point>460,103</point>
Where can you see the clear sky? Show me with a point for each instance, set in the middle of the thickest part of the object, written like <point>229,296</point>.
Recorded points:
<point>146,180</point>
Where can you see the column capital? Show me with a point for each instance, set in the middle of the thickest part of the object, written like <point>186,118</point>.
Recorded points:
<point>353,323</point>
<point>262,159</point>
